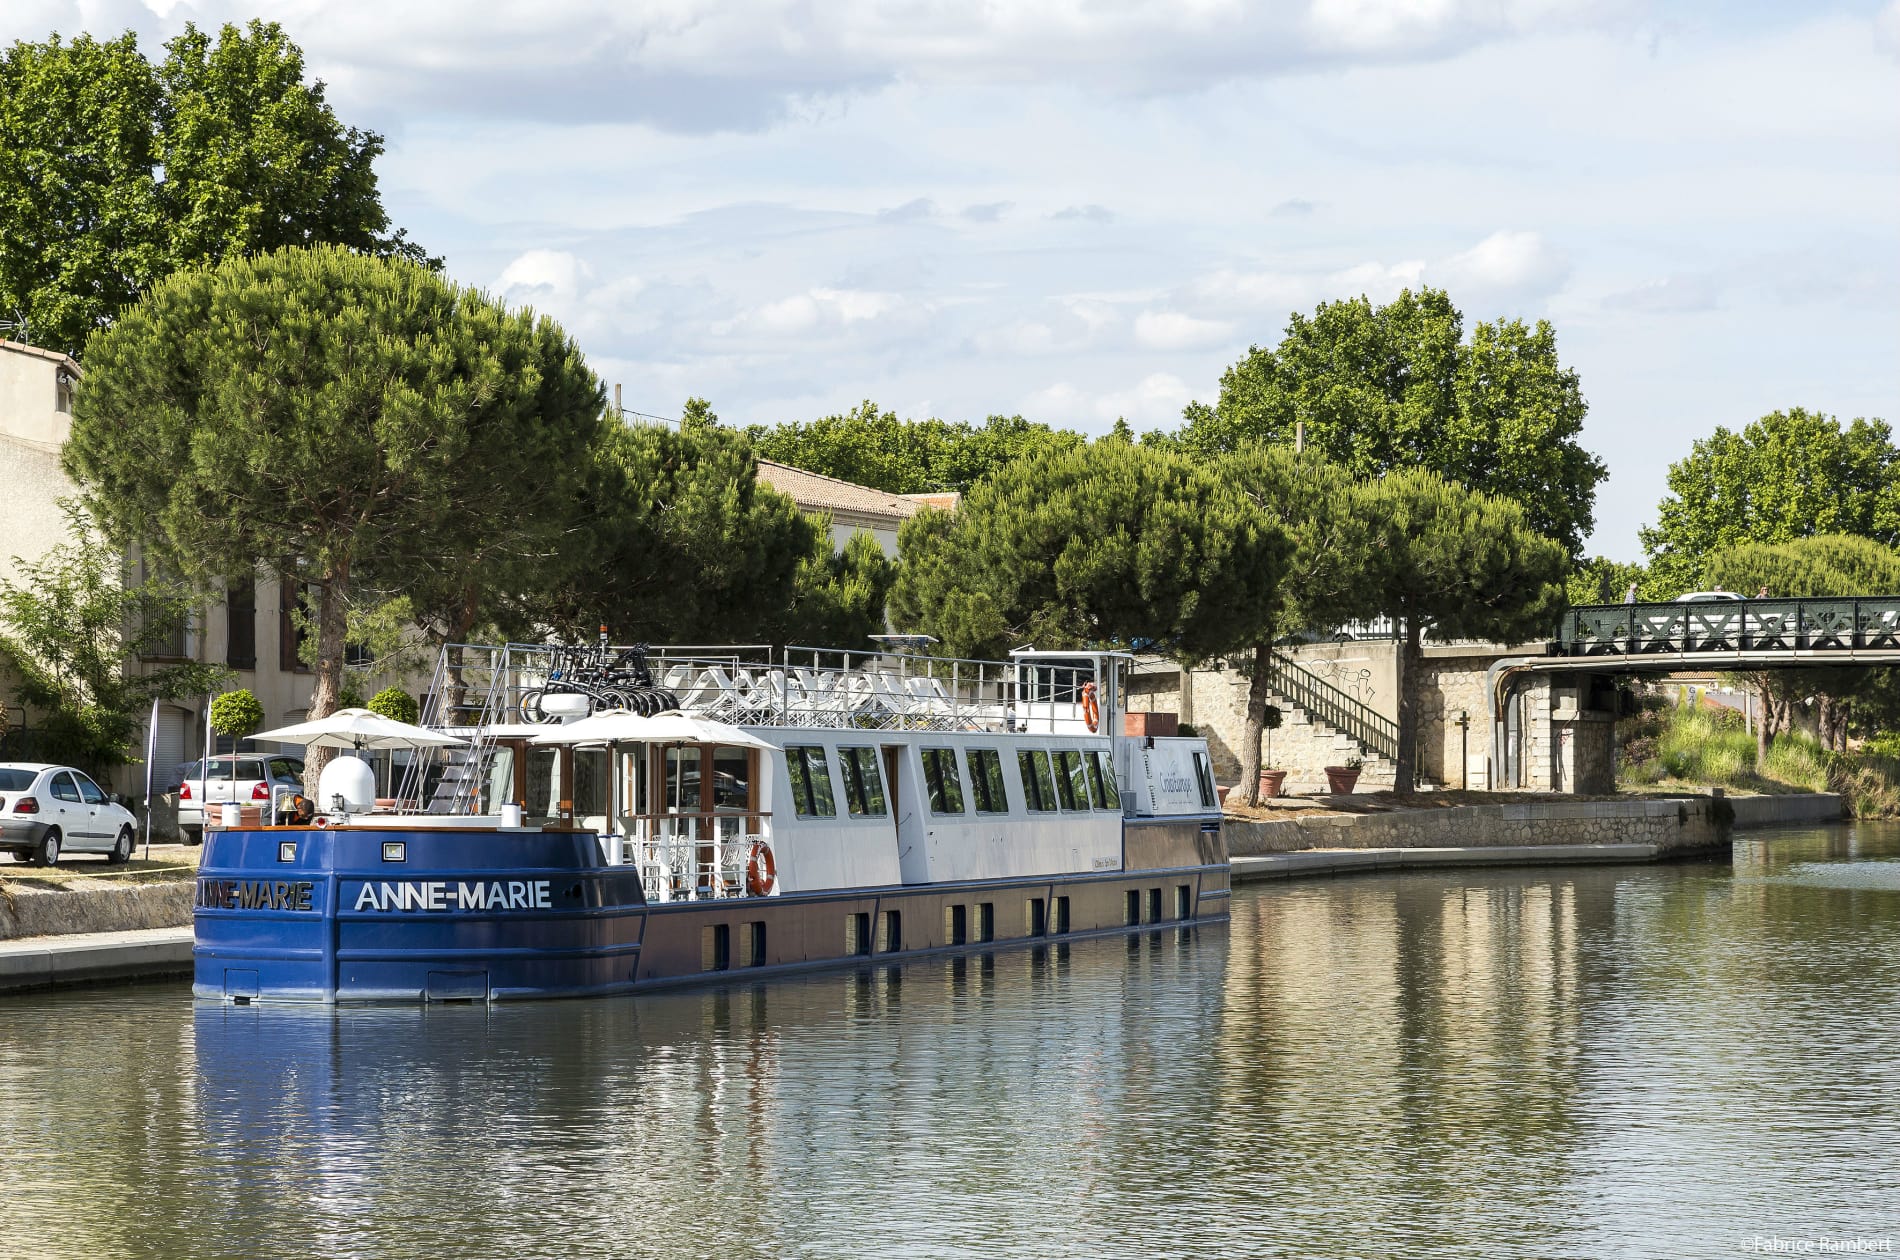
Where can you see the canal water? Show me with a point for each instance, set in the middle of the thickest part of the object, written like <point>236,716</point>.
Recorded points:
<point>1683,1060</point>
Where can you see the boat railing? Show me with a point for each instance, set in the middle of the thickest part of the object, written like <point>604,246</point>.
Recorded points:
<point>692,856</point>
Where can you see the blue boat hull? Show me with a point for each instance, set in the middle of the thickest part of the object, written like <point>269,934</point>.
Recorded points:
<point>381,915</point>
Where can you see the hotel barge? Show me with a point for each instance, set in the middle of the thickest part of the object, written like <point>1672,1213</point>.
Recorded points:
<point>617,820</point>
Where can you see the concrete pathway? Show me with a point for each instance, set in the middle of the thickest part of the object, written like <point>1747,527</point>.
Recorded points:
<point>40,962</point>
<point>1350,861</point>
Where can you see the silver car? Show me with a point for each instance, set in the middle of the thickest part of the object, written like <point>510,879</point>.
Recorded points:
<point>47,812</point>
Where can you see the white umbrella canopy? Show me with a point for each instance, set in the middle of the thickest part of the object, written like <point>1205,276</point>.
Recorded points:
<point>618,726</point>
<point>358,729</point>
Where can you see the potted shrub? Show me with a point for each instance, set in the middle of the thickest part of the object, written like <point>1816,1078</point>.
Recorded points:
<point>1340,779</point>
<point>236,714</point>
<point>1272,778</point>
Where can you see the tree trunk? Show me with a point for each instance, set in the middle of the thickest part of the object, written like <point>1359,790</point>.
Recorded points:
<point>1256,723</point>
<point>1764,720</point>
<point>1405,774</point>
<point>332,633</point>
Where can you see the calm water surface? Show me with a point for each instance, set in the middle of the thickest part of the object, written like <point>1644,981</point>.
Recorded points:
<point>1648,1061</point>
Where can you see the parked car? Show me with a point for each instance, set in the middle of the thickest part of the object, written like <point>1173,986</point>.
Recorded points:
<point>247,778</point>
<point>49,811</point>
<point>1698,597</point>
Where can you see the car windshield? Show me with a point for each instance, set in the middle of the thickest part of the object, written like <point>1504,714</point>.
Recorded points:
<point>16,780</point>
<point>247,768</point>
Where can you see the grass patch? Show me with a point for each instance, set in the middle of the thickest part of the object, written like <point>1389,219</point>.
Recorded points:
<point>1671,747</point>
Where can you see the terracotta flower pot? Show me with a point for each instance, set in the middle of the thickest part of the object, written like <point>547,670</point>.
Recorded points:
<point>1270,782</point>
<point>1340,779</point>
<point>1221,791</point>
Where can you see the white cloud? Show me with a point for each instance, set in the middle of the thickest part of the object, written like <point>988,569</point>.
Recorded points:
<point>815,309</point>
<point>1172,330</point>
<point>543,274</point>
<point>1514,264</point>
<point>1887,28</point>
<point>1156,399</point>
<point>1675,294</point>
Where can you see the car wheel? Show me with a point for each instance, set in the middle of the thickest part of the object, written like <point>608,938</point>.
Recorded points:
<point>121,848</point>
<point>193,835</point>
<point>48,852</point>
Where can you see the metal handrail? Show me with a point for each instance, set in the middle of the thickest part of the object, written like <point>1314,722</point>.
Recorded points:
<point>1373,731</point>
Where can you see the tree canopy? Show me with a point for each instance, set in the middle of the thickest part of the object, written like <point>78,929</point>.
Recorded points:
<point>685,544</point>
<point>875,448</point>
<point>1101,545</point>
<point>115,172</point>
<point>1459,564</point>
<point>1321,511</point>
<point>69,625</point>
<point>1789,475</point>
<point>355,424</point>
<point>1385,388</point>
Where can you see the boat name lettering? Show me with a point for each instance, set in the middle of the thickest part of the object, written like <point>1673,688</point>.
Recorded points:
<point>513,894</point>
<point>255,894</point>
<point>1175,784</point>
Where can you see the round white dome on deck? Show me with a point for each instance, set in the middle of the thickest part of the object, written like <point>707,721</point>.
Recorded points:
<point>350,779</point>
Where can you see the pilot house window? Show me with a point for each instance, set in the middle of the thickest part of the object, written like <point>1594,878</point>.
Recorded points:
<point>810,780</point>
<point>863,786</point>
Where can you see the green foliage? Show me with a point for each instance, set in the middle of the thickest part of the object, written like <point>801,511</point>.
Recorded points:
<point>1814,567</point>
<point>1107,544</point>
<point>1870,782</point>
<point>685,544</point>
<point>115,172</point>
<point>840,598</point>
<point>69,624</point>
<point>875,448</point>
<point>236,713</point>
<point>357,424</point>
<point>395,704</point>
<point>1460,563</point>
<point>1600,580</point>
<point>1788,475</point>
<point>1320,510</point>
<point>1797,759</point>
<point>1382,389</point>
<point>349,695</point>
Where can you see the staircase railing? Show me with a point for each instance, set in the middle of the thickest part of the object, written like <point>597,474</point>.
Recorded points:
<point>1350,716</point>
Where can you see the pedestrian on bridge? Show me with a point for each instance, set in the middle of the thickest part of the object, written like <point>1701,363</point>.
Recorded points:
<point>1629,596</point>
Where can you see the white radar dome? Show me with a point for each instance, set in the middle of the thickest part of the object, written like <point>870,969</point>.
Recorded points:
<point>346,786</point>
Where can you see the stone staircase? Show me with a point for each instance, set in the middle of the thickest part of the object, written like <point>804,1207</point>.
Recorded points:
<point>1322,726</point>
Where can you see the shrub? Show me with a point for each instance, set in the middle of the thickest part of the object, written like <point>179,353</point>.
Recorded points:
<point>395,704</point>
<point>236,713</point>
<point>1797,759</point>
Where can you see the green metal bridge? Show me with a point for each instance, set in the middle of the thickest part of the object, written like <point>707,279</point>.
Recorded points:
<point>1753,633</point>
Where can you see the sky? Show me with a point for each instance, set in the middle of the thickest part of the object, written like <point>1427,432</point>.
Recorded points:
<point>1085,209</point>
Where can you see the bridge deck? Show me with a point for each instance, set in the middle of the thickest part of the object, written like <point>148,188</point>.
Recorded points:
<point>1760,632</point>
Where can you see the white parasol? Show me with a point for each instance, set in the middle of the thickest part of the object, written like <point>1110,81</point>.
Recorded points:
<point>357,729</point>
<point>618,726</point>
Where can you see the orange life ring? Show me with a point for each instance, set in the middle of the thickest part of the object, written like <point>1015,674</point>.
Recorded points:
<point>1091,707</point>
<point>761,870</point>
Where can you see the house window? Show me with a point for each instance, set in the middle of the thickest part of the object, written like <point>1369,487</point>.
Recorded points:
<point>63,392</point>
<point>1039,790</point>
<point>942,781</point>
<point>863,786</point>
<point>176,645</point>
<point>291,634</point>
<point>810,779</point>
<point>240,624</point>
<point>986,781</point>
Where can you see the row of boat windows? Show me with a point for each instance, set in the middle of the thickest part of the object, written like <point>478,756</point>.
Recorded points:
<point>1068,780</point>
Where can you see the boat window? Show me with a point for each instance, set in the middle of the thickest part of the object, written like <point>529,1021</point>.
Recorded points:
<point>986,781</point>
<point>1039,791</point>
<point>1205,775</point>
<point>810,778</point>
<point>731,770</point>
<point>543,766</point>
<point>682,780</point>
<point>590,782</point>
<point>1072,784</point>
<point>863,785</point>
<point>942,781</point>
<point>1102,783</point>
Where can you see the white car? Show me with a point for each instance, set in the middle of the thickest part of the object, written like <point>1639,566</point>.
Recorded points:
<point>247,778</point>
<point>47,812</point>
<point>1703,597</point>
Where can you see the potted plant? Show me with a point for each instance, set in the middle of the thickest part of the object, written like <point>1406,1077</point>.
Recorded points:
<point>1340,779</point>
<point>236,714</point>
<point>1272,778</point>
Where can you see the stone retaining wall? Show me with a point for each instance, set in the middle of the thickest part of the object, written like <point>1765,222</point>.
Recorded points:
<point>37,912</point>
<point>1677,825</point>
<point>1770,811</point>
